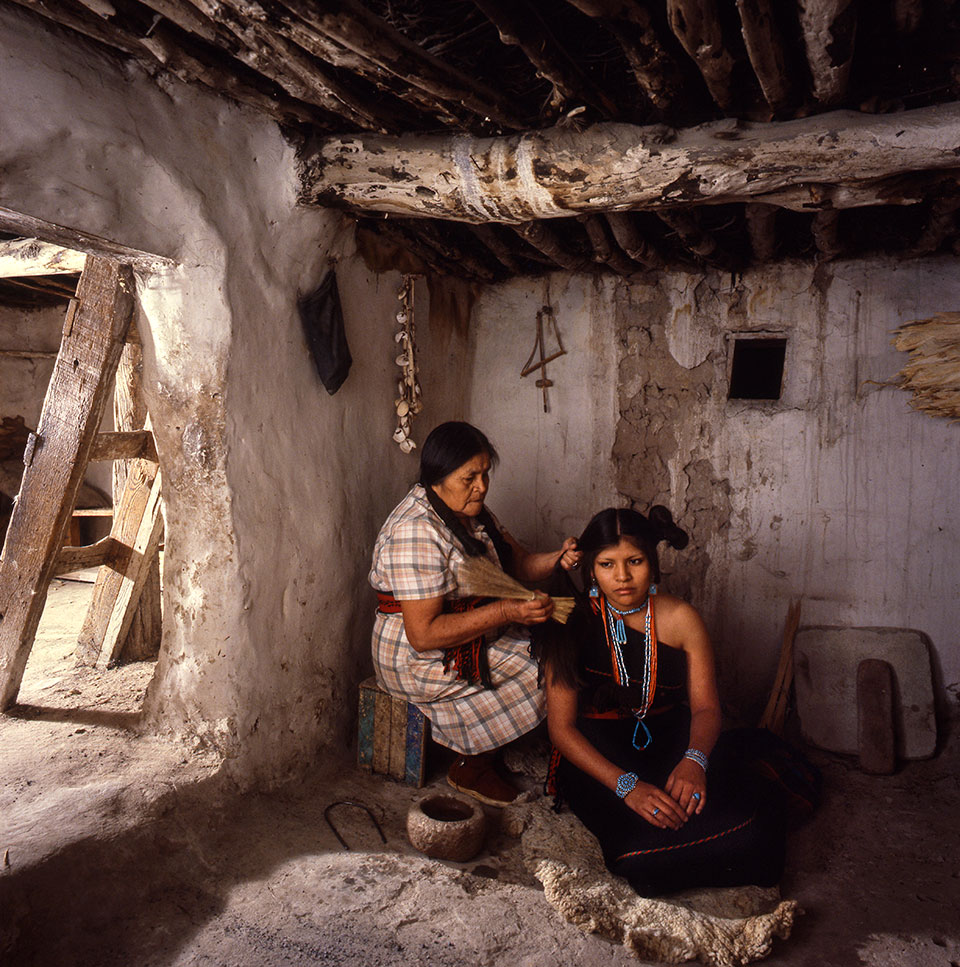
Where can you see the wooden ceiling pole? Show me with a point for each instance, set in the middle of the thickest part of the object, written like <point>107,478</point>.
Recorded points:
<point>291,68</point>
<point>409,107</point>
<point>695,238</point>
<point>432,235</point>
<point>605,249</point>
<point>762,229</point>
<point>556,173</point>
<point>907,15</point>
<point>657,73</point>
<point>767,52</point>
<point>520,25</point>
<point>624,228</point>
<point>546,241</point>
<point>488,237</point>
<point>826,234</point>
<point>940,223</point>
<point>829,32</point>
<point>696,24</point>
<point>354,27</point>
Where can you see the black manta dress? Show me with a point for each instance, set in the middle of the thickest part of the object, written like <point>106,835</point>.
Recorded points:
<point>738,838</point>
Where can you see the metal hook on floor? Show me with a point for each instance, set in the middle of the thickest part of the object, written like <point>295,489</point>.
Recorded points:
<point>357,805</point>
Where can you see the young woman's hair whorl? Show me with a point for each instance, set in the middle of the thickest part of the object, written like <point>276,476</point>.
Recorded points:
<point>606,528</point>
<point>451,445</point>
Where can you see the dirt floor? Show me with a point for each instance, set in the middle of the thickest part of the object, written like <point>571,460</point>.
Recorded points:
<point>121,849</point>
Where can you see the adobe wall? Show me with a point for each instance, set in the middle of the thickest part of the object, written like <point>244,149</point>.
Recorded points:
<point>839,492</point>
<point>274,490</point>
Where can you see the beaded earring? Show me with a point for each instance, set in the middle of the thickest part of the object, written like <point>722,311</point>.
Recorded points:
<point>594,591</point>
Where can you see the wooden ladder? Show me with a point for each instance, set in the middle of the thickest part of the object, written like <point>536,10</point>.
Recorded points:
<point>55,462</point>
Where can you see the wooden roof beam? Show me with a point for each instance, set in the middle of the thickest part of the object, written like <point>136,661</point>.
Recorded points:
<point>829,31</point>
<point>826,234</point>
<point>351,25</point>
<point>606,251</point>
<point>400,92</point>
<point>696,239</point>
<point>762,229</point>
<point>697,25</point>
<point>545,240</point>
<point>656,71</point>
<point>520,25</point>
<point>623,225</point>
<point>839,159</point>
<point>766,50</point>
<point>941,222</point>
<point>488,237</point>
<point>21,257</point>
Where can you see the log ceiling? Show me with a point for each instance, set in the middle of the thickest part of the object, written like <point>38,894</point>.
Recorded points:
<point>494,138</point>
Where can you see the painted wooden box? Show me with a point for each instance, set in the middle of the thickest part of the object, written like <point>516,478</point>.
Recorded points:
<point>392,735</point>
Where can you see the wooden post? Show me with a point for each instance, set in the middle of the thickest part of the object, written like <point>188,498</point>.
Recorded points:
<point>130,413</point>
<point>57,455</point>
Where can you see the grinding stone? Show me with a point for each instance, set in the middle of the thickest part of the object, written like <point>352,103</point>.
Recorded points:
<point>825,669</point>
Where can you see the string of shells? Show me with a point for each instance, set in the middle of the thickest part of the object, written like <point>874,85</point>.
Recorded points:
<point>408,403</point>
<point>933,372</point>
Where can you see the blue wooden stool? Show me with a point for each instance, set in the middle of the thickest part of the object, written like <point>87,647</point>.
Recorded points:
<point>391,735</point>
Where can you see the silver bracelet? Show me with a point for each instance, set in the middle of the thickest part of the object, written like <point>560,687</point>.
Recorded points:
<point>626,784</point>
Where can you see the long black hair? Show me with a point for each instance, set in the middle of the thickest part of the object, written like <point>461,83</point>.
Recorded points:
<point>606,528</point>
<point>557,646</point>
<point>451,445</point>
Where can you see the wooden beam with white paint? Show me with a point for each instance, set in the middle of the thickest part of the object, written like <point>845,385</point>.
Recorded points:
<point>847,157</point>
<point>21,257</point>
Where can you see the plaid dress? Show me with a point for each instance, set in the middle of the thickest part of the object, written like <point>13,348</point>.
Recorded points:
<point>417,556</point>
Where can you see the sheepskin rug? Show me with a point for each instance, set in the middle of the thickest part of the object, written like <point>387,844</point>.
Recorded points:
<point>722,927</point>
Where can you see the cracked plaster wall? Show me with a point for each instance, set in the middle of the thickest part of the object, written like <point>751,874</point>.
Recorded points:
<point>274,491</point>
<point>840,492</point>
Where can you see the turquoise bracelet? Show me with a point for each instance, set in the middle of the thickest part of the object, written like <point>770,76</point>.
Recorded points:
<point>695,755</point>
<point>626,784</point>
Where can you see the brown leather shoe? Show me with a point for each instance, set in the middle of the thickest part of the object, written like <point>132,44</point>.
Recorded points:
<point>477,776</point>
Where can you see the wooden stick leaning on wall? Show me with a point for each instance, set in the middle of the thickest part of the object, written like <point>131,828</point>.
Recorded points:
<point>775,713</point>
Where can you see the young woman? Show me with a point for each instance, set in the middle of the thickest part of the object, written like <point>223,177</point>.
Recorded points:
<point>634,718</point>
<point>465,663</point>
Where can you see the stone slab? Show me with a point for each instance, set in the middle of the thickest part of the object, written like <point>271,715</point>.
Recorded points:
<point>825,673</point>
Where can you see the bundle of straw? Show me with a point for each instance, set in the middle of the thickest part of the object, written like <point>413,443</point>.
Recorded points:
<point>481,577</point>
<point>933,372</point>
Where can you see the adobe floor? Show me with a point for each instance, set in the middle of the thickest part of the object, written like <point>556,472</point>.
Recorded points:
<point>119,849</point>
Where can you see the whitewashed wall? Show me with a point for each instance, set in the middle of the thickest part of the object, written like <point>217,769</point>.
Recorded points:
<point>555,467</point>
<point>840,492</point>
<point>273,490</point>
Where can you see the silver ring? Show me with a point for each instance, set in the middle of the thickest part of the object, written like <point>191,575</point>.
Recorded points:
<point>575,564</point>
<point>696,796</point>
<point>656,811</point>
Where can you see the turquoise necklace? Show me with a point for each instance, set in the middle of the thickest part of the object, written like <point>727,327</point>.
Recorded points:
<point>617,638</point>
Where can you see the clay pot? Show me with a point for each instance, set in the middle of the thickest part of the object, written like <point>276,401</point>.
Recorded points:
<point>446,827</point>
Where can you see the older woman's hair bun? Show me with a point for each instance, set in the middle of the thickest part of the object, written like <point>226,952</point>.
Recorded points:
<point>661,520</point>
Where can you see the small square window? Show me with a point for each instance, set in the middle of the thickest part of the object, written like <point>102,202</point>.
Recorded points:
<point>757,369</point>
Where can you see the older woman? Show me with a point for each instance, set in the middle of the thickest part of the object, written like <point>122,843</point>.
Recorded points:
<point>464,662</point>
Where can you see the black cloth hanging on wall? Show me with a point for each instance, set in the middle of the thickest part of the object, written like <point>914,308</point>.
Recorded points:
<point>322,320</point>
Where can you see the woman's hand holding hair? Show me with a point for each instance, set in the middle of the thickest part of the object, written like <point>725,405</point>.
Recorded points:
<point>532,612</point>
<point>570,557</point>
<point>688,785</point>
<point>656,806</point>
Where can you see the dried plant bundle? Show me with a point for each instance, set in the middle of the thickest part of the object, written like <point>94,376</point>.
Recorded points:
<point>933,371</point>
<point>483,578</point>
